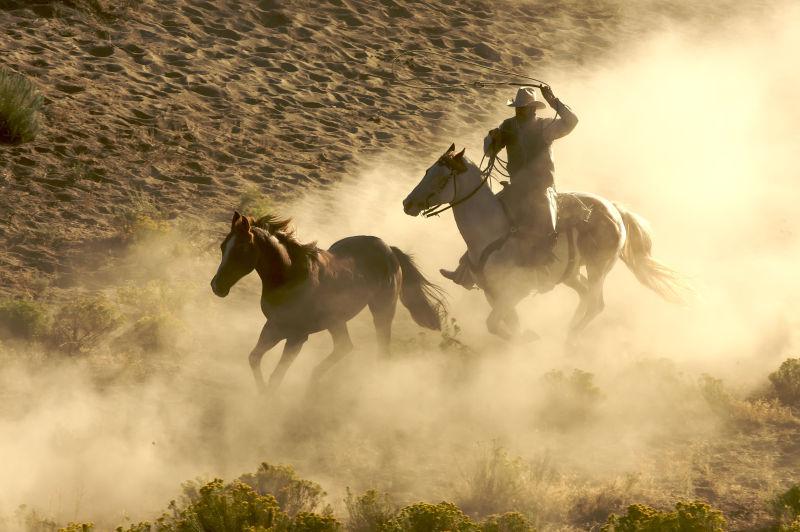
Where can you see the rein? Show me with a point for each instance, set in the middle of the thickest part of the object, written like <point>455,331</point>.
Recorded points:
<point>486,173</point>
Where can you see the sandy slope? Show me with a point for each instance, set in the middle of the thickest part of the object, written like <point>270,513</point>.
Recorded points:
<point>190,100</point>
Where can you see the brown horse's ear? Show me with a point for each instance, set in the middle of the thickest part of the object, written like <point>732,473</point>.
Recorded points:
<point>460,154</point>
<point>244,225</point>
<point>451,149</point>
<point>236,217</point>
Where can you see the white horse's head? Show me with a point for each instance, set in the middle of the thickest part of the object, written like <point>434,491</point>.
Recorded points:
<point>438,186</point>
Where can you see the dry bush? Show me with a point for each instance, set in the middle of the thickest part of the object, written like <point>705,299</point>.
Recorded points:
<point>19,108</point>
<point>741,413</point>
<point>82,323</point>
<point>368,512</point>
<point>786,382</point>
<point>496,483</point>
<point>569,400</point>
<point>29,520</point>
<point>593,506</point>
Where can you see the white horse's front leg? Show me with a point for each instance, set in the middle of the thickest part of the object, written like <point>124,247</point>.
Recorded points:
<point>495,324</point>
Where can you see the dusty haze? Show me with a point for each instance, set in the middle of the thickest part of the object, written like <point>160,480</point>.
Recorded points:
<point>693,128</point>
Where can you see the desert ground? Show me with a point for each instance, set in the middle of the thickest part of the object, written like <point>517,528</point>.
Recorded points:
<point>124,382</point>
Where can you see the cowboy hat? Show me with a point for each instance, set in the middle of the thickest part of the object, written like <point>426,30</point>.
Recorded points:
<point>526,97</point>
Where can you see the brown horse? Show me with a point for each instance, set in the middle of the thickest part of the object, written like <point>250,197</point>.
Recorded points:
<point>306,289</point>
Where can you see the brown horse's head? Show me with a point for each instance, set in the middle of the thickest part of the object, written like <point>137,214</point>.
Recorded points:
<point>239,255</point>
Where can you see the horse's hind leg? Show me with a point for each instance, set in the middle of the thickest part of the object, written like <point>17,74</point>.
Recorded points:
<point>594,295</point>
<point>341,346</point>
<point>579,283</point>
<point>383,309</point>
<point>268,339</point>
<point>290,352</point>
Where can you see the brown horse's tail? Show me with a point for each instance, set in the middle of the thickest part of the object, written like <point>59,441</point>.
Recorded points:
<point>421,297</point>
<point>655,275</point>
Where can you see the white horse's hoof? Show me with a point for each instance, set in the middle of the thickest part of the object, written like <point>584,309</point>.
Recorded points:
<point>529,336</point>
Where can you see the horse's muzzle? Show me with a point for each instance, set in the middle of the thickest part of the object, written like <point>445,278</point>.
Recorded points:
<point>220,292</point>
<point>410,209</point>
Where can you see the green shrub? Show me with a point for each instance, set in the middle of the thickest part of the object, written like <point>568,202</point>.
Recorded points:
<point>294,495</point>
<point>23,319</point>
<point>508,522</point>
<point>225,508</point>
<point>425,517</point>
<point>786,382</point>
<point>19,108</point>
<point>233,507</point>
<point>311,522</point>
<point>786,509</point>
<point>151,308</point>
<point>81,324</point>
<point>368,512</point>
<point>693,516</point>
<point>77,527</point>
<point>140,217</point>
<point>253,202</point>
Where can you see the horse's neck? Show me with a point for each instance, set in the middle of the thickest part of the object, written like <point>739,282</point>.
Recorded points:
<point>480,218</point>
<point>274,264</point>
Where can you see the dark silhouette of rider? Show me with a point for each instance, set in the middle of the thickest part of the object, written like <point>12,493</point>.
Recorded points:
<point>530,197</point>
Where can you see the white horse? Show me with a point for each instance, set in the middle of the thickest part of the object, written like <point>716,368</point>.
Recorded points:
<point>592,233</point>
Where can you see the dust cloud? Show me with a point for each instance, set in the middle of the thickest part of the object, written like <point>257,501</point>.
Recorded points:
<point>697,132</point>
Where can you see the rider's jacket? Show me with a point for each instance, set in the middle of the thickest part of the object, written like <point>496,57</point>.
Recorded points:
<point>530,158</point>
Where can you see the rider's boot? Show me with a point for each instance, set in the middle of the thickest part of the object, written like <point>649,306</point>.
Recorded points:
<point>462,275</point>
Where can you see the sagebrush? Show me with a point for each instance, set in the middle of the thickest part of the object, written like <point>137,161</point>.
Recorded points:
<point>20,103</point>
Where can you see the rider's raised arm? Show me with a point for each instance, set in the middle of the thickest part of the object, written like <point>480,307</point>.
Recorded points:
<point>566,121</point>
<point>563,125</point>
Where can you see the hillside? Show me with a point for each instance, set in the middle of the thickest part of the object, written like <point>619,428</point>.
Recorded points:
<point>187,101</point>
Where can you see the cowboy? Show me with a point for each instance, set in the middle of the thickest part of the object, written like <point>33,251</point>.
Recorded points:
<point>530,197</point>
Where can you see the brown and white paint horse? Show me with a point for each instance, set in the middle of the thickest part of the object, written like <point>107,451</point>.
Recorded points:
<point>592,231</point>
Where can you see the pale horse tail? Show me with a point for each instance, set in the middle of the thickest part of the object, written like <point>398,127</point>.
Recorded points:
<point>423,299</point>
<point>655,275</point>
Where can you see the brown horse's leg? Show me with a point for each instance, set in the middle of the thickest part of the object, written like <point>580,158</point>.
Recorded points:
<point>268,339</point>
<point>290,351</point>
<point>341,346</point>
<point>382,316</point>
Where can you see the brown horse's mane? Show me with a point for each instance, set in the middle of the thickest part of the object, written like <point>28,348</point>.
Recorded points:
<point>281,228</point>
